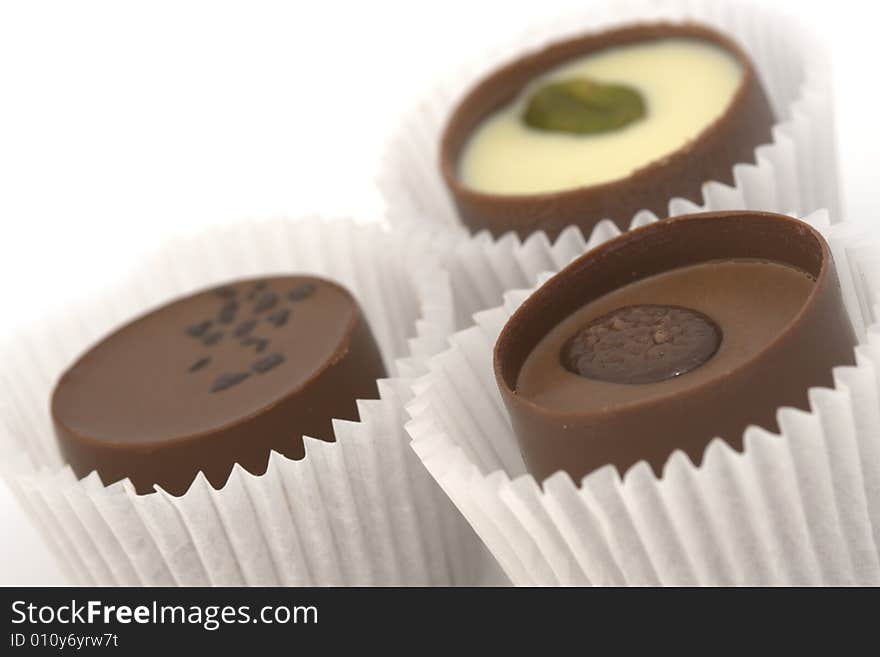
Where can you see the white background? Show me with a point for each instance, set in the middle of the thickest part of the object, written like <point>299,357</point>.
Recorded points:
<point>122,123</point>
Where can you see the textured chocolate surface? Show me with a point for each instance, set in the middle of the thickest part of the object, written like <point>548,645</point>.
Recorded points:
<point>782,332</point>
<point>217,378</point>
<point>641,344</point>
<point>711,155</point>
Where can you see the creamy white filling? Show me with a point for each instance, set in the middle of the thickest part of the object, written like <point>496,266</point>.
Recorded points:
<point>686,85</point>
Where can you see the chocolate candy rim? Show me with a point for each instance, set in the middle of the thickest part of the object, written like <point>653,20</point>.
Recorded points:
<point>563,279</point>
<point>526,213</point>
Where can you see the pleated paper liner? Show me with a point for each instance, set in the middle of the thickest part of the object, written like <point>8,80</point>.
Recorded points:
<point>361,510</point>
<point>796,172</point>
<point>801,507</point>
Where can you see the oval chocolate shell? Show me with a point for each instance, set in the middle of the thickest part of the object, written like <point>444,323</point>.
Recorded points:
<point>710,155</point>
<point>669,336</point>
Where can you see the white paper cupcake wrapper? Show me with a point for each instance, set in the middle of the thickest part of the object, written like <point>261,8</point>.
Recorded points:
<point>361,510</point>
<point>797,172</point>
<point>802,507</point>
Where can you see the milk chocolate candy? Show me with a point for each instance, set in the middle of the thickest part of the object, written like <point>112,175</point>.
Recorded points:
<point>669,336</point>
<point>602,126</point>
<point>220,377</point>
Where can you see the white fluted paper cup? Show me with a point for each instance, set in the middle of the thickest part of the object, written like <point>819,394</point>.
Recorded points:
<point>796,172</point>
<point>361,510</point>
<point>801,507</point>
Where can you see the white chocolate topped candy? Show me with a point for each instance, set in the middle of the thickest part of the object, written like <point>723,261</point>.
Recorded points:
<point>685,84</point>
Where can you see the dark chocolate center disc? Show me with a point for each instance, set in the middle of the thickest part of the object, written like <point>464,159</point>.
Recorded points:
<point>642,344</point>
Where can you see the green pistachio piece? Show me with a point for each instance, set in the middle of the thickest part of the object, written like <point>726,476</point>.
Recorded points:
<point>583,107</point>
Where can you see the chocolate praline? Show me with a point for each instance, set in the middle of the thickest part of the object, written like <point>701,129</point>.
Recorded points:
<point>709,156</point>
<point>220,377</point>
<point>669,336</point>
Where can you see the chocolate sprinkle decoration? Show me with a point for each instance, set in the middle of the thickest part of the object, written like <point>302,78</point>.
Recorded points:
<point>279,317</point>
<point>255,290</point>
<point>198,330</point>
<point>227,312</point>
<point>245,328</point>
<point>300,292</point>
<point>212,339</point>
<point>265,364</point>
<point>199,364</point>
<point>642,344</point>
<point>266,302</point>
<point>261,343</point>
<point>229,379</point>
